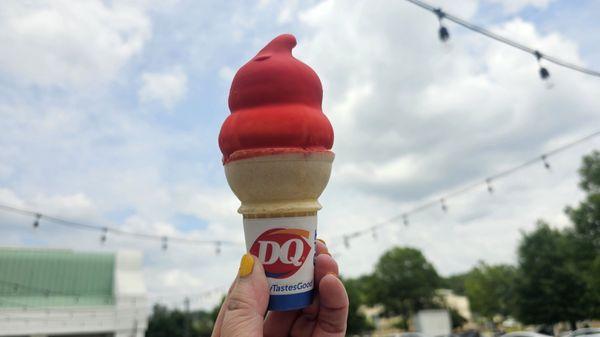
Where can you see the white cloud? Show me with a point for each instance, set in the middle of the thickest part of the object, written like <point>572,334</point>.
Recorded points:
<point>167,88</point>
<point>514,6</point>
<point>226,74</point>
<point>68,44</point>
<point>412,121</point>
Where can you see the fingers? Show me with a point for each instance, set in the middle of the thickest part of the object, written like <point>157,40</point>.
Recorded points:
<point>242,312</point>
<point>279,323</point>
<point>306,322</point>
<point>219,320</point>
<point>325,264</point>
<point>333,309</point>
<point>322,247</point>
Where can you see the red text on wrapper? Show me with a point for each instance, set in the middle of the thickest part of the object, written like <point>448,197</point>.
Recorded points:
<point>282,251</point>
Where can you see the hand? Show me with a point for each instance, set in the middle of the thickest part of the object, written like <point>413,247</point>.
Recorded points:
<point>243,312</point>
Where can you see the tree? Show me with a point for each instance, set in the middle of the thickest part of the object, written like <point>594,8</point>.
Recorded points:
<point>559,271</point>
<point>403,282</point>
<point>357,322</point>
<point>456,283</point>
<point>456,318</point>
<point>490,289</point>
<point>585,236</point>
<point>550,288</point>
<point>173,323</point>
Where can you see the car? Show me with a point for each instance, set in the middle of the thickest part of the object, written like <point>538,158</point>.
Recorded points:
<point>409,334</point>
<point>524,334</point>
<point>587,332</point>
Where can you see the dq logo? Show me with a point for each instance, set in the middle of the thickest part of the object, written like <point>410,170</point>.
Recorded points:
<point>282,251</point>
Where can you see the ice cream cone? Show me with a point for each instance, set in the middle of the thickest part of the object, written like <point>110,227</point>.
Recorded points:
<point>276,152</point>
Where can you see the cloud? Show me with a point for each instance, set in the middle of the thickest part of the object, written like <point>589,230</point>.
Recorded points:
<point>65,44</point>
<point>166,88</point>
<point>412,119</point>
<point>514,6</point>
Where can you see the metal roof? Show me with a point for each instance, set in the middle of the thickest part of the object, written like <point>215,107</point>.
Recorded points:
<point>50,278</point>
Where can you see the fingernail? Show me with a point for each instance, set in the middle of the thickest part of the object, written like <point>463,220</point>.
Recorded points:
<point>322,241</point>
<point>246,265</point>
<point>332,273</point>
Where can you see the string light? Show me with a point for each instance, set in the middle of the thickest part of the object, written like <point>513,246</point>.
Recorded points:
<point>374,233</point>
<point>544,73</point>
<point>104,230</point>
<point>36,222</point>
<point>165,243</point>
<point>346,237</point>
<point>545,161</point>
<point>346,242</point>
<point>103,236</point>
<point>469,187</point>
<point>218,248</point>
<point>444,206</point>
<point>443,32</point>
<point>490,188</point>
<point>405,220</point>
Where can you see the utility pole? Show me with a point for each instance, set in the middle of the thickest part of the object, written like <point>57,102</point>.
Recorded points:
<point>186,305</point>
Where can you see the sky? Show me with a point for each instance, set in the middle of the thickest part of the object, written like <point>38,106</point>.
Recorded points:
<point>110,113</point>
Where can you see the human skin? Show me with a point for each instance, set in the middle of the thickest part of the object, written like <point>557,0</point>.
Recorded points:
<point>243,311</point>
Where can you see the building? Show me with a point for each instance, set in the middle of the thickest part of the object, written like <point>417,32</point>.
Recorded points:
<point>456,302</point>
<point>62,292</point>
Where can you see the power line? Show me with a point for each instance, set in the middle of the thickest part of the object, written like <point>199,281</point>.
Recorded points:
<point>486,183</point>
<point>444,35</point>
<point>46,292</point>
<point>105,230</point>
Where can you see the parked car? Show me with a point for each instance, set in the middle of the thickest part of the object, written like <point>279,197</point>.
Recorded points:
<point>409,334</point>
<point>525,334</point>
<point>587,332</point>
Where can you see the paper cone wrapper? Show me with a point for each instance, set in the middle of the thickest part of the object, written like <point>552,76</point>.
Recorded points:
<point>286,248</point>
<point>279,203</point>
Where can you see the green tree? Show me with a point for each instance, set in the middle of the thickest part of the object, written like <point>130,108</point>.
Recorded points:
<point>559,271</point>
<point>403,282</point>
<point>550,287</point>
<point>585,235</point>
<point>164,322</point>
<point>357,322</point>
<point>456,283</point>
<point>175,323</point>
<point>457,319</point>
<point>490,289</point>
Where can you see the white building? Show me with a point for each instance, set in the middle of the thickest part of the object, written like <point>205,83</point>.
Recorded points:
<point>61,292</point>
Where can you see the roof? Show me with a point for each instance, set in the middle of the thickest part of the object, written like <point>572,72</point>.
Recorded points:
<point>50,278</point>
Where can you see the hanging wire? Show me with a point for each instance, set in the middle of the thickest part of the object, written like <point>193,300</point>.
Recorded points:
<point>106,229</point>
<point>475,185</point>
<point>506,40</point>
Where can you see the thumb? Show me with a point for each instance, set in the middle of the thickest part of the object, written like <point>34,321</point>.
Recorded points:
<point>244,309</point>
